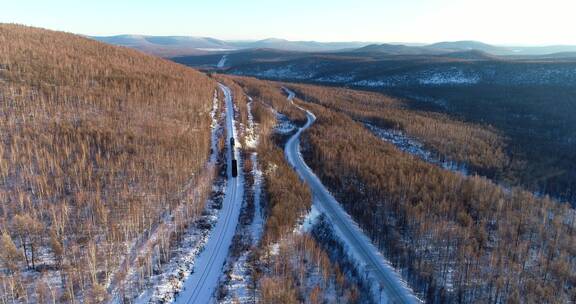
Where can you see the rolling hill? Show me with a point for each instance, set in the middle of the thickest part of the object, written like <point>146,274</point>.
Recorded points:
<point>183,46</point>
<point>525,97</point>
<point>501,50</point>
<point>173,46</point>
<point>98,143</point>
<point>167,46</point>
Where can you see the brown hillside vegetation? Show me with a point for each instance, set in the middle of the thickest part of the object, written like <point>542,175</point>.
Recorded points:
<point>480,147</point>
<point>271,95</point>
<point>458,239</point>
<point>461,239</point>
<point>300,271</point>
<point>97,143</point>
<point>288,198</point>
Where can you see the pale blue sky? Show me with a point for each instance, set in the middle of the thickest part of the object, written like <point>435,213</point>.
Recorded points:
<point>492,21</point>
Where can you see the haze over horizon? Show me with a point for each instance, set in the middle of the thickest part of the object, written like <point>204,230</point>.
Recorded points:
<point>265,151</point>
<point>417,21</point>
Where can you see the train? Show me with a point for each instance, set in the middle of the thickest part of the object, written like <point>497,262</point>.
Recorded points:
<point>234,161</point>
<point>234,168</point>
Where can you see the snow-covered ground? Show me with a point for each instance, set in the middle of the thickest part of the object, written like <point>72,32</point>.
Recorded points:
<point>257,226</point>
<point>414,147</point>
<point>448,75</point>
<point>389,286</point>
<point>282,72</point>
<point>200,286</point>
<point>216,130</point>
<point>283,124</point>
<point>239,286</point>
<point>166,286</point>
<point>240,282</point>
<point>337,78</point>
<point>251,130</point>
<point>167,279</point>
<point>370,83</point>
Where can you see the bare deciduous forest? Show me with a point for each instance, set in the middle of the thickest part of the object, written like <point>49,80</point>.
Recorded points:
<point>289,267</point>
<point>457,239</point>
<point>99,145</point>
<point>104,165</point>
<point>480,147</point>
<point>538,123</point>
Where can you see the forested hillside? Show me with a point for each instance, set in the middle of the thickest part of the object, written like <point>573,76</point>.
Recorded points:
<point>538,122</point>
<point>455,238</point>
<point>458,238</point>
<point>481,148</point>
<point>288,266</point>
<point>99,144</point>
<point>527,100</point>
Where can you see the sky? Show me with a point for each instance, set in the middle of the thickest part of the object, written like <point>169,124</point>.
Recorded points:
<point>505,22</point>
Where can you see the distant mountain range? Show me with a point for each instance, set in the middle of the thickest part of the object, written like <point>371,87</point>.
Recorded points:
<point>503,50</point>
<point>442,48</point>
<point>175,46</point>
<point>172,46</point>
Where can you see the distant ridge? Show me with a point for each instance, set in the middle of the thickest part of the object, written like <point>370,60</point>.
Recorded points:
<point>399,49</point>
<point>177,46</point>
<point>471,55</point>
<point>466,45</point>
<point>173,46</point>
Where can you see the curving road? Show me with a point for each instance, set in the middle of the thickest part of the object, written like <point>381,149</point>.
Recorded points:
<point>199,287</point>
<point>394,290</point>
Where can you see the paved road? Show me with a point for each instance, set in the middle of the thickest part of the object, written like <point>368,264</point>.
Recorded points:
<point>392,287</point>
<point>200,285</point>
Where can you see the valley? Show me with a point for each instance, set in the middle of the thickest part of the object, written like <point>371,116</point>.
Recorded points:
<point>521,98</point>
<point>277,171</point>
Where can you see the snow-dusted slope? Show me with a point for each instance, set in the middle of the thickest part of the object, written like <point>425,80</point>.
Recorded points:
<point>380,75</point>
<point>200,286</point>
<point>222,62</point>
<point>394,290</point>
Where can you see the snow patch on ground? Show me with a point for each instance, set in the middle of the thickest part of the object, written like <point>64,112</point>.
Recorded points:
<point>251,131</point>
<point>170,281</point>
<point>309,220</point>
<point>414,147</point>
<point>257,227</point>
<point>374,83</point>
<point>239,286</point>
<point>337,78</point>
<point>283,124</point>
<point>283,72</point>
<point>216,130</point>
<point>222,62</point>
<point>448,77</point>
